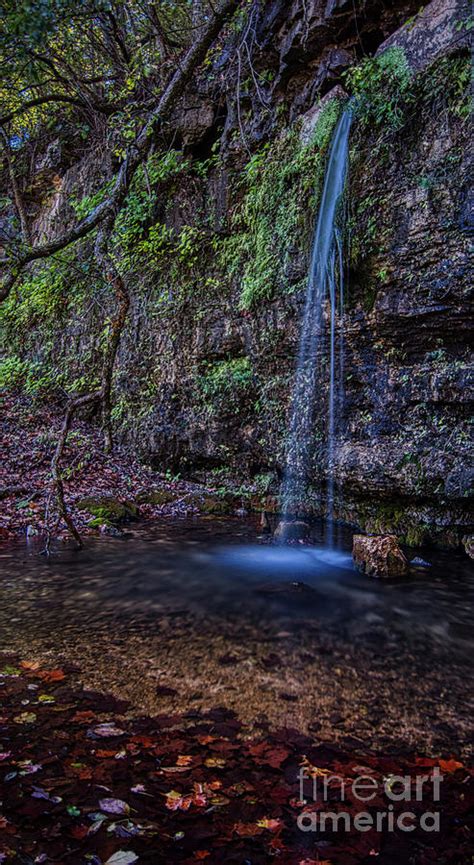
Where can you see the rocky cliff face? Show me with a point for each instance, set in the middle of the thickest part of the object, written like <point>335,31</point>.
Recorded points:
<point>217,269</point>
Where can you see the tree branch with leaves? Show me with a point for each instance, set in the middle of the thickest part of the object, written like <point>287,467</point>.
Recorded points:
<point>122,46</point>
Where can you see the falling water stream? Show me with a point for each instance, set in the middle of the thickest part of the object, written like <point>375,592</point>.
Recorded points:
<point>325,281</point>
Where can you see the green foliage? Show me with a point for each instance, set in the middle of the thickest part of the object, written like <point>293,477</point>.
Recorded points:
<point>13,372</point>
<point>224,385</point>
<point>381,86</point>
<point>140,205</point>
<point>45,304</point>
<point>33,21</point>
<point>41,296</point>
<point>448,85</point>
<point>30,377</point>
<point>385,89</point>
<point>281,185</point>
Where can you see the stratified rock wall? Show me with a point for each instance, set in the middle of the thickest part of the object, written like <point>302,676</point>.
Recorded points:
<point>203,383</point>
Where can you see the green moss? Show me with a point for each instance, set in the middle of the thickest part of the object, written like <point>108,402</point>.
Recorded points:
<point>225,384</point>
<point>281,185</point>
<point>219,504</point>
<point>415,536</point>
<point>381,87</point>
<point>108,510</point>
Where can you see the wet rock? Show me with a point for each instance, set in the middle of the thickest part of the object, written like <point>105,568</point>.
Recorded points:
<point>379,556</point>
<point>111,531</point>
<point>436,31</point>
<point>468,544</point>
<point>310,119</point>
<point>108,510</point>
<point>158,497</point>
<point>291,531</point>
<point>213,504</point>
<point>417,562</point>
<point>241,512</point>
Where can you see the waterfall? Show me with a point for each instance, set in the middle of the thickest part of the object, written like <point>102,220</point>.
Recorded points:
<point>325,281</point>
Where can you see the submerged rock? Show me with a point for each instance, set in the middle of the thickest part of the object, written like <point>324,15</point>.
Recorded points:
<point>108,510</point>
<point>291,531</point>
<point>379,556</point>
<point>111,531</point>
<point>417,562</point>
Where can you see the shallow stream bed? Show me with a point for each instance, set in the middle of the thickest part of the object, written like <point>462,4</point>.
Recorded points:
<point>197,613</point>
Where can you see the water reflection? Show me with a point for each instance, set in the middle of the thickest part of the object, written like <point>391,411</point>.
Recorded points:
<point>217,569</point>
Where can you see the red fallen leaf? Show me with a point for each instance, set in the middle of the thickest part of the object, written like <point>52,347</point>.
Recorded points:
<point>175,801</point>
<point>104,754</point>
<point>450,765</point>
<point>144,741</point>
<point>84,717</point>
<point>276,756</point>
<point>266,755</point>
<point>79,832</point>
<point>270,824</point>
<point>199,797</point>
<point>276,845</point>
<point>426,761</point>
<point>201,854</point>
<point>247,830</point>
<point>206,740</point>
<point>51,675</point>
<point>82,772</point>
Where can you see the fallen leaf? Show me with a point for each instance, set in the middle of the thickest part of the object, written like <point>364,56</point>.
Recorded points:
<point>114,806</point>
<point>272,825</point>
<point>122,857</point>
<point>450,765</point>
<point>184,760</point>
<point>51,675</point>
<point>25,718</point>
<point>107,730</point>
<point>215,762</point>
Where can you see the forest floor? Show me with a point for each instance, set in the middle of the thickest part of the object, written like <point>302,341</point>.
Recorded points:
<point>28,437</point>
<point>83,783</point>
<point>135,729</point>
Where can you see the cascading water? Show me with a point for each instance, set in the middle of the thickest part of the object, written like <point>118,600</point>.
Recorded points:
<point>325,276</point>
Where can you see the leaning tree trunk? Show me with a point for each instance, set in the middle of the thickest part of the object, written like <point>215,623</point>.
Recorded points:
<point>102,396</point>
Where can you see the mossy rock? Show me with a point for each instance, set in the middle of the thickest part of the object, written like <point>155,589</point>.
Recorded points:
<point>107,510</point>
<point>213,504</point>
<point>158,497</point>
<point>266,504</point>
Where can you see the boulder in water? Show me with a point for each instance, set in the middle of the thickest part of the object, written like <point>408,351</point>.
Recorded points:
<point>108,510</point>
<point>379,556</point>
<point>468,544</point>
<point>288,530</point>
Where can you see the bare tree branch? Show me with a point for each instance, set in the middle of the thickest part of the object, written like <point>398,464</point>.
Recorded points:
<point>136,153</point>
<point>103,107</point>
<point>25,229</point>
